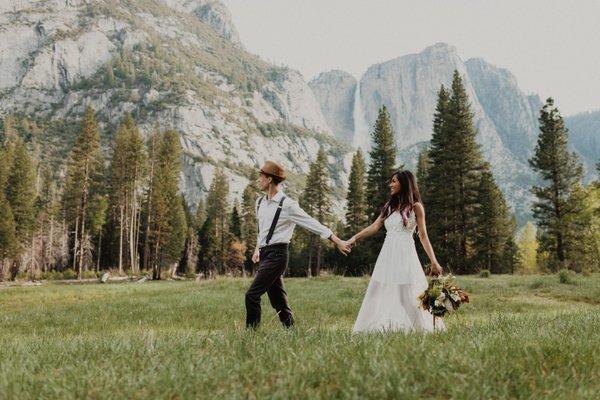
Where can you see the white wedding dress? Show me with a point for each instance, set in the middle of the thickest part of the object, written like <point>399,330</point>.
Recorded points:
<point>391,303</point>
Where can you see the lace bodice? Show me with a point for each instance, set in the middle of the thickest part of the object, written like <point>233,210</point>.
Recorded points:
<point>393,223</point>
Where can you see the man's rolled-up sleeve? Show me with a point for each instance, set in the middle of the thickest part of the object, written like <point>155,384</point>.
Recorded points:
<point>297,215</point>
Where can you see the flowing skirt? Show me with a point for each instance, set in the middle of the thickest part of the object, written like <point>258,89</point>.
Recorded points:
<point>391,301</point>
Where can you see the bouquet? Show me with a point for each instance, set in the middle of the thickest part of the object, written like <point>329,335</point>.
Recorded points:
<point>442,296</point>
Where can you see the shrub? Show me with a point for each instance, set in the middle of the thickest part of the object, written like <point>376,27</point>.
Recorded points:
<point>538,283</point>
<point>52,275</point>
<point>485,273</point>
<point>565,276</point>
<point>89,275</point>
<point>69,274</point>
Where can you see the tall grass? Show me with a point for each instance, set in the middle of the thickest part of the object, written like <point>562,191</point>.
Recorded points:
<point>516,339</point>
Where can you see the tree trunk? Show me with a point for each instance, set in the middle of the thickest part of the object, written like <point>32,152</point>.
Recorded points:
<point>121,240</point>
<point>76,243</point>
<point>137,239</point>
<point>83,212</point>
<point>99,250</point>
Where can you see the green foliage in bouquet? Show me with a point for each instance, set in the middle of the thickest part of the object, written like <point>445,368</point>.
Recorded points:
<point>442,296</point>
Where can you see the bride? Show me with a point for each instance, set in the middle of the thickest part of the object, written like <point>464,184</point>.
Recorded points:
<point>390,303</point>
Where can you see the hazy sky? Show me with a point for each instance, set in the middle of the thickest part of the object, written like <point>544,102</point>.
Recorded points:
<point>552,47</point>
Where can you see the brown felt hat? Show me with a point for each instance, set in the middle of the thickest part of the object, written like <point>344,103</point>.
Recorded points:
<point>274,169</point>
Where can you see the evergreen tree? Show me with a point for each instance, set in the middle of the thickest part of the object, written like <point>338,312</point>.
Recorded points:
<point>127,175</point>
<point>235,225</point>
<point>166,216</point>
<point>511,260</point>
<point>200,215</point>
<point>189,260</point>
<point>493,227</point>
<point>422,170</point>
<point>561,171</point>
<point>356,212</point>
<point>582,244</point>
<point>453,178</point>
<point>83,181</point>
<point>215,237</point>
<point>316,201</point>
<point>98,218</point>
<point>422,176</point>
<point>109,76</point>
<point>382,163</point>
<point>249,223</point>
<point>21,192</point>
<point>8,243</point>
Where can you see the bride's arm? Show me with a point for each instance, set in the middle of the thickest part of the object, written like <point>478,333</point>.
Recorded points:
<point>420,214</point>
<point>368,231</point>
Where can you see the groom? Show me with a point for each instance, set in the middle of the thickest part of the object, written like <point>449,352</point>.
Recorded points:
<point>277,216</point>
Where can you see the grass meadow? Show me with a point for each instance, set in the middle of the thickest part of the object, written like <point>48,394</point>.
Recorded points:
<point>525,337</point>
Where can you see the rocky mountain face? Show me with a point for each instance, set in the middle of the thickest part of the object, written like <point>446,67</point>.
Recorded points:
<point>172,64</point>
<point>335,91</point>
<point>504,116</point>
<point>584,137</point>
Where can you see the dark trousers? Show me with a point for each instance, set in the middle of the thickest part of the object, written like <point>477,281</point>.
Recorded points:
<point>269,278</point>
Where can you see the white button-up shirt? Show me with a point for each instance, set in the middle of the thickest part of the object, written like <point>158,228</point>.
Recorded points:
<point>291,214</point>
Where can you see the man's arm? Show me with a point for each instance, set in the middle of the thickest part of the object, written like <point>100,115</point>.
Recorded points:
<point>297,215</point>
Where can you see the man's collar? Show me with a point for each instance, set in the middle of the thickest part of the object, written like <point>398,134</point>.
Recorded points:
<point>277,196</point>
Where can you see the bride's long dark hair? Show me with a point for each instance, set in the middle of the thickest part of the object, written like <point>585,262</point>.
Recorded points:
<point>407,196</point>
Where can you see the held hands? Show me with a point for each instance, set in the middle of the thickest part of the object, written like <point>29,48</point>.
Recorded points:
<point>341,245</point>
<point>351,242</point>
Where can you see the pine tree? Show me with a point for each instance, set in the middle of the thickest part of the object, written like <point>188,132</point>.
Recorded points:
<point>21,192</point>
<point>356,212</point>
<point>200,215</point>
<point>127,175</point>
<point>492,227</point>
<point>83,181</point>
<point>583,243</point>
<point>382,163</point>
<point>215,237</point>
<point>356,209</point>
<point>316,201</point>
<point>249,223</point>
<point>189,260</point>
<point>235,224</point>
<point>422,176</point>
<point>8,243</point>
<point>511,259</point>
<point>453,178</point>
<point>561,171</point>
<point>166,222</point>
<point>422,170</point>
<point>166,217</point>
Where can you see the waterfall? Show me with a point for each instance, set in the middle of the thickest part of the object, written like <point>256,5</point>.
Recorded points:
<point>361,137</point>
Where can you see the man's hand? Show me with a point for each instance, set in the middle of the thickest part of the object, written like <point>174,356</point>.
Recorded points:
<point>256,256</point>
<point>343,247</point>
<point>340,244</point>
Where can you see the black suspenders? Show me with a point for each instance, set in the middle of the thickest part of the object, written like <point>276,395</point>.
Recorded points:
<point>275,218</point>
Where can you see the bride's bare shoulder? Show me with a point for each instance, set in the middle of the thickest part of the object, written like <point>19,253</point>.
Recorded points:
<point>419,209</point>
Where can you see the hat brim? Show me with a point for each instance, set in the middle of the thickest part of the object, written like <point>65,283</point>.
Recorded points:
<point>268,174</point>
